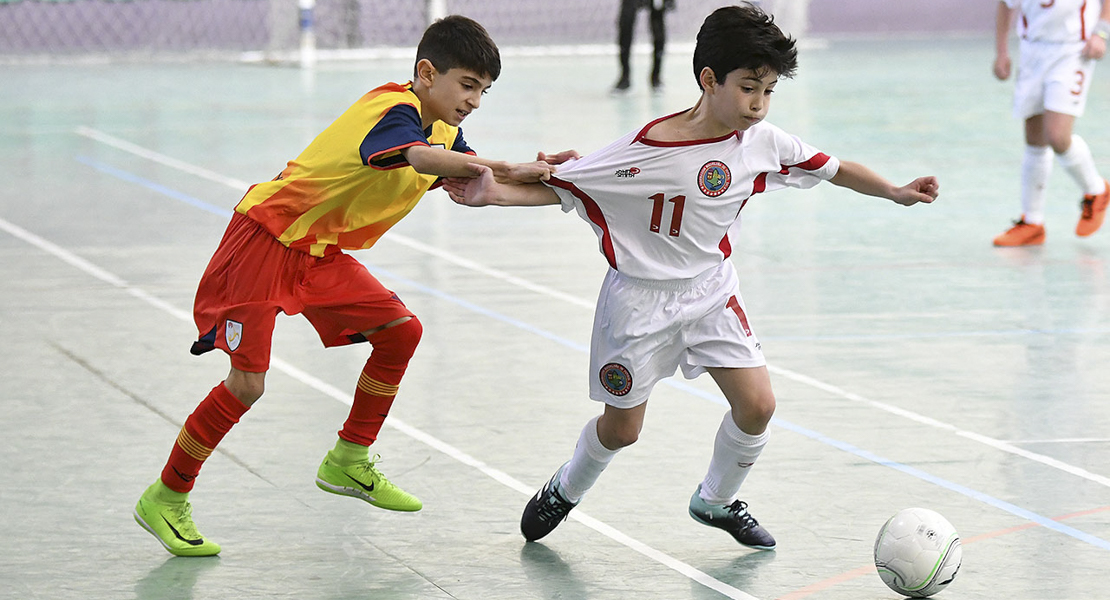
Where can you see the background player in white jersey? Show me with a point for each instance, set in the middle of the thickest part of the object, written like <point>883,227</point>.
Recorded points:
<point>1060,42</point>
<point>662,201</point>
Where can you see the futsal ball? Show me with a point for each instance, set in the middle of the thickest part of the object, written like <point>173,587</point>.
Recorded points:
<point>917,552</point>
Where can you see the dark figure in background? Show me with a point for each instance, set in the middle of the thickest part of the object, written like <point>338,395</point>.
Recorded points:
<point>626,23</point>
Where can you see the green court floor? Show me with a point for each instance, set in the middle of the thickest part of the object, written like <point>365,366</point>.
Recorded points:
<point>914,364</point>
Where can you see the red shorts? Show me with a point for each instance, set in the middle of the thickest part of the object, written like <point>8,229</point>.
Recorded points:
<point>252,277</point>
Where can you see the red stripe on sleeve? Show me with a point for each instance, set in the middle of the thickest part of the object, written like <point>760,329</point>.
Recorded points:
<point>372,160</point>
<point>819,160</point>
<point>760,183</point>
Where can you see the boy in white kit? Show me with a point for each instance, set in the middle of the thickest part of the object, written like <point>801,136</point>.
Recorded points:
<point>1060,42</point>
<point>662,201</point>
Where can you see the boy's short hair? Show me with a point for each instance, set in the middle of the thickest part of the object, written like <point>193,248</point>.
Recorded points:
<point>743,37</point>
<point>458,42</point>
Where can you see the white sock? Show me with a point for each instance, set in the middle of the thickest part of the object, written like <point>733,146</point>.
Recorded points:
<point>734,453</point>
<point>589,460</point>
<point>1081,166</point>
<point>1036,165</point>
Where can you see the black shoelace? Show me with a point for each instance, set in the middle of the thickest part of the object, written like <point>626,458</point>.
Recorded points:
<point>739,510</point>
<point>555,507</point>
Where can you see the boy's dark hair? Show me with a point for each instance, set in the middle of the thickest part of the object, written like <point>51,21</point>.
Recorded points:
<point>743,37</point>
<point>458,42</point>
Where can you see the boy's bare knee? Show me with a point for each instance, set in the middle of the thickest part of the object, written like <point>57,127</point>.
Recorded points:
<point>628,437</point>
<point>754,417</point>
<point>1060,143</point>
<point>618,435</point>
<point>247,387</point>
<point>619,439</point>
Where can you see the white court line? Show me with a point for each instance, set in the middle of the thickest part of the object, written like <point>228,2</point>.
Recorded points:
<point>540,289</point>
<point>159,158</point>
<point>345,397</point>
<point>924,420</point>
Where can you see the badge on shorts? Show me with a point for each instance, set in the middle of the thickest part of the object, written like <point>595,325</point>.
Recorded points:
<point>714,178</point>
<point>233,334</point>
<point>616,379</point>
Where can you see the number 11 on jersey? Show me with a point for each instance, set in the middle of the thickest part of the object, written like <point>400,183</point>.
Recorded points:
<point>676,216</point>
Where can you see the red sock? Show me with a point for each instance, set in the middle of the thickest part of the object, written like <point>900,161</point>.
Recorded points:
<point>377,386</point>
<point>203,430</point>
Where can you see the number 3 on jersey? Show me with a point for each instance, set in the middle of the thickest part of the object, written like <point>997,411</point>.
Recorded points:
<point>661,201</point>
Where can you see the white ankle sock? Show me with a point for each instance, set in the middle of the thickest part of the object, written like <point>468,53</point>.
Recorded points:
<point>1036,165</point>
<point>734,453</point>
<point>589,460</point>
<point>1079,163</point>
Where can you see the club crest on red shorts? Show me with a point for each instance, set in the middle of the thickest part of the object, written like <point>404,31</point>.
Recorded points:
<point>616,379</point>
<point>233,334</point>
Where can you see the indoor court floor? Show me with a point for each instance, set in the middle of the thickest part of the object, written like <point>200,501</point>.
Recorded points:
<point>914,364</point>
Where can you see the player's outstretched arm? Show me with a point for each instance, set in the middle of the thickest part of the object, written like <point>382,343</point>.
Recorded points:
<point>483,190</point>
<point>1003,23</point>
<point>859,178</point>
<point>448,163</point>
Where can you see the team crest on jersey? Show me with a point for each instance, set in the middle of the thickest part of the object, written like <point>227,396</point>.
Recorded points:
<point>714,178</point>
<point>616,379</point>
<point>233,334</point>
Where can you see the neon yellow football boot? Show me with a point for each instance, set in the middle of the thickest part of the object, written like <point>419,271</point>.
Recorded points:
<point>364,481</point>
<point>168,516</point>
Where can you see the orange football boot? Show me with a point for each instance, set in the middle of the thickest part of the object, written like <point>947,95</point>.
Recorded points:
<point>1094,211</point>
<point>1021,234</point>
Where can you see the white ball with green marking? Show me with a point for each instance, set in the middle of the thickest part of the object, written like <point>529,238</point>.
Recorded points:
<point>918,552</point>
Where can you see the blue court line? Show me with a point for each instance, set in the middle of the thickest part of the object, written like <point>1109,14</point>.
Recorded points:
<point>716,399</point>
<point>914,471</point>
<point>156,187</point>
<point>558,339</point>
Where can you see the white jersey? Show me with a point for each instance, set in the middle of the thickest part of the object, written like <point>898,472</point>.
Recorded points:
<point>663,210</point>
<point>1056,21</point>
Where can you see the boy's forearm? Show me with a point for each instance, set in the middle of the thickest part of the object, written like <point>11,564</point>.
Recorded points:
<point>859,178</point>
<point>525,194</point>
<point>1003,22</point>
<point>447,163</point>
<point>500,168</point>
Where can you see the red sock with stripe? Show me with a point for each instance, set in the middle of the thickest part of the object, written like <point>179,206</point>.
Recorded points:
<point>377,386</point>
<point>203,430</point>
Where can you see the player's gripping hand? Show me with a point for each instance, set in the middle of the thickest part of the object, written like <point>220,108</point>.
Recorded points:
<point>531,172</point>
<point>1002,66</point>
<point>1095,48</point>
<point>472,191</point>
<point>922,189</point>
<point>559,157</point>
<point>483,189</point>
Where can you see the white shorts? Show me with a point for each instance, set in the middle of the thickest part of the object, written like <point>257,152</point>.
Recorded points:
<point>645,330</point>
<point>1052,77</point>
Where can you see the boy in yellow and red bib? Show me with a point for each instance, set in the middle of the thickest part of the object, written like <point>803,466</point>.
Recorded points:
<point>284,252</point>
